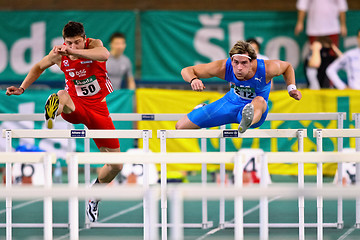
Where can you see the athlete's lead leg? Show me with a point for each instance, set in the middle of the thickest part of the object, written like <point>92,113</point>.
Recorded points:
<point>252,113</point>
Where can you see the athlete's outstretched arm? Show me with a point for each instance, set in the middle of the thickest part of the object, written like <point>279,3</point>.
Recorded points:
<point>96,51</point>
<point>194,73</point>
<point>35,72</point>
<point>276,68</point>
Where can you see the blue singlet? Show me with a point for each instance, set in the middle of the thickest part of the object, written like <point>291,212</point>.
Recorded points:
<point>228,109</point>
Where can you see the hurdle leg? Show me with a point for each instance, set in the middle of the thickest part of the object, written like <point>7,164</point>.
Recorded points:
<point>222,182</point>
<point>301,200</point>
<point>73,201</point>
<point>8,186</point>
<point>87,177</point>
<point>205,223</point>
<point>319,184</point>
<point>146,207</point>
<point>154,212</point>
<point>177,214</point>
<point>357,146</point>
<point>163,188</point>
<point>264,204</point>
<point>238,205</point>
<point>48,215</point>
<point>340,221</point>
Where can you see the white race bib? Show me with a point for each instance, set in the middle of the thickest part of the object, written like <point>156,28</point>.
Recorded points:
<point>87,87</point>
<point>244,92</point>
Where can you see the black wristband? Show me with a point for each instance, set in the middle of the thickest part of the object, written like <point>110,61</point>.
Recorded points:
<point>22,89</point>
<point>193,79</point>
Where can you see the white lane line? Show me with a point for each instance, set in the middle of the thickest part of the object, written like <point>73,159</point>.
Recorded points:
<point>347,233</point>
<point>66,236</point>
<point>212,231</point>
<point>215,230</point>
<point>22,205</point>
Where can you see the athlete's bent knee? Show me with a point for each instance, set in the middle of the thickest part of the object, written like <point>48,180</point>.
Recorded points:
<point>62,93</point>
<point>259,99</point>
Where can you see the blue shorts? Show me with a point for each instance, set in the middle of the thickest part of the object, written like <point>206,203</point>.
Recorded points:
<point>223,111</point>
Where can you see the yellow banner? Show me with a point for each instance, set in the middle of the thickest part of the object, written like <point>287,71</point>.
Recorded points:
<point>313,101</point>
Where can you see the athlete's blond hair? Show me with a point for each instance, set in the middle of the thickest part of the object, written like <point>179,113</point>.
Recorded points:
<point>242,47</point>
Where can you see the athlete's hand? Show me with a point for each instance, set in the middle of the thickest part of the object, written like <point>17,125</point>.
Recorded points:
<point>14,91</point>
<point>197,85</point>
<point>295,94</point>
<point>62,50</point>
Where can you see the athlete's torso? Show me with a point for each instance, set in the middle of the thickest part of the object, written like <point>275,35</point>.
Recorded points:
<point>86,78</point>
<point>249,89</point>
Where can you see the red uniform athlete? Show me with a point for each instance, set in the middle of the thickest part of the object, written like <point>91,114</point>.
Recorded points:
<point>83,61</point>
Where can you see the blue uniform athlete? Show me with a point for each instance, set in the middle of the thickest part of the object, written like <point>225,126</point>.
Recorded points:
<point>246,102</point>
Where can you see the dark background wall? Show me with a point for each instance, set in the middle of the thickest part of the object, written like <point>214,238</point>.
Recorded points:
<point>236,5</point>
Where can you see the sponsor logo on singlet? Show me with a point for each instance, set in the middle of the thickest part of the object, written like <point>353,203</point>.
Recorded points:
<point>66,63</point>
<point>81,73</point>
<point>85,62</point>
<point>72,74</point>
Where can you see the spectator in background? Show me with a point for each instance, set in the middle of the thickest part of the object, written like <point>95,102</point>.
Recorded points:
<point>256,45</point>
<point>349,61</point>
<point>319,59</point>
<point>322,19</point>
<point>118,65</point>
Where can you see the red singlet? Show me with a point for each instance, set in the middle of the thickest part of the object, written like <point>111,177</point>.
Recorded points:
<point>88,84</point>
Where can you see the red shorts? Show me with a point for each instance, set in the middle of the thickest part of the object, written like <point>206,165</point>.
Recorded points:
<point>93,116</point>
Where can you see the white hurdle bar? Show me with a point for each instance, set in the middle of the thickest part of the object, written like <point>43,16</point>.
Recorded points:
<point>47,159</point>
<point>72,173</point>
<point>330,133</point>
<point>251,133</point>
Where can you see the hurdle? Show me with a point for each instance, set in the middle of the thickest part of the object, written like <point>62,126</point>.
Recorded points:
<point>74,159</point>
<point>337,116</point>
<point>337,133</point>
<point>47,159</point>
<point>319,158</point>
<point>86,134</point>
<point>263,133</point>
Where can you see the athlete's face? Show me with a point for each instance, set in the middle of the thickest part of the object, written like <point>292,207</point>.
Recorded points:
<point>75,42</point>
<point>118,46</point>
<point>241,66</point>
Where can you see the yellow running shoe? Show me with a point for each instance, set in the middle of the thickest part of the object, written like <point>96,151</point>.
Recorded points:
<point>51,108</point>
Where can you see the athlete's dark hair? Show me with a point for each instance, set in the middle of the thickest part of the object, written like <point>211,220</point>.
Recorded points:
<point>253,40</point>
<point>117,35</point>
<point>242,47</point>
<point>73,29</point>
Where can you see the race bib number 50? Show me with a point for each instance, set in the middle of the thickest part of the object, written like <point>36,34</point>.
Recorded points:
<point>87,87</point>
<point>245,92</point>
